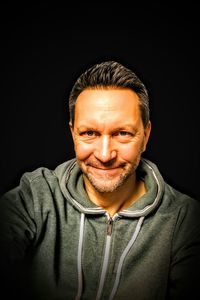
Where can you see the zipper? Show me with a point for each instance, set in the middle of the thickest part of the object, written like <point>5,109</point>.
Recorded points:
<point>110,226</point>
<point>106,258</point>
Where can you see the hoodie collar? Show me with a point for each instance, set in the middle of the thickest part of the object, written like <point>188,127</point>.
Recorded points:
<point>72,185</point>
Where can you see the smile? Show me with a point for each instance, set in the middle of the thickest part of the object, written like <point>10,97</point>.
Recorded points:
<point>104,171</point>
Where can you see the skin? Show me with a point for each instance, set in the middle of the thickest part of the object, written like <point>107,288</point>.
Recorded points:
<point>109,138</point>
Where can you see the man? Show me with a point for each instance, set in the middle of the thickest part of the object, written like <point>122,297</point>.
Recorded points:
<point>104,225</point>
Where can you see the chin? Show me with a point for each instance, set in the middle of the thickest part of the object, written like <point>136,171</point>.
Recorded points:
<point>107,185</point>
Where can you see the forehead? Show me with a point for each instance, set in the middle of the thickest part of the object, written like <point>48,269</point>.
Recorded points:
<point>114,100</point>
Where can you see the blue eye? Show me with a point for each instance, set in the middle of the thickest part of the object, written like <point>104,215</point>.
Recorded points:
<point>89,133</point>
<point>123,133</point>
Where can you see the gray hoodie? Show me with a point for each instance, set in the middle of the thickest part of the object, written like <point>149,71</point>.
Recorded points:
<point>58,245</point>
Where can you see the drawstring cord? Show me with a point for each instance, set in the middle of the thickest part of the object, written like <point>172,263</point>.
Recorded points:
<point>124,254</point>
<point>79,257</point>
<point>119,269</point>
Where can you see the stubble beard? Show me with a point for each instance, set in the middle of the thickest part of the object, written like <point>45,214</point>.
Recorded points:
<point>109,184</point>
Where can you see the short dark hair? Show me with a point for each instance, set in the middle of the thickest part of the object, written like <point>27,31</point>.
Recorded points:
<point>110,74</point>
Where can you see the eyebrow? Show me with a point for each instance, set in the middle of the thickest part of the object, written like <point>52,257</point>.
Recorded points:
<point>125,127</point>
<point>95,128</point>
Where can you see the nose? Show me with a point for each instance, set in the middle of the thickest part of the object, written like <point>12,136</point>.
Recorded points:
<point>104,149</point>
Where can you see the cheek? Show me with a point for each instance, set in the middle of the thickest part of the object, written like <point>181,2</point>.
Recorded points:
<point>83,150</point>
<point>130,152</point>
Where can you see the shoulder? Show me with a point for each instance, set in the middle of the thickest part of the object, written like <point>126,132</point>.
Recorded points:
<point>45,176</point>
<point>184,210</point>
<point>179,199</point>
<point>40,183</point>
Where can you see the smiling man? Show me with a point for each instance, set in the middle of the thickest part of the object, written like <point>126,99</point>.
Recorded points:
<point>109,137</point>
<point>104,225</point>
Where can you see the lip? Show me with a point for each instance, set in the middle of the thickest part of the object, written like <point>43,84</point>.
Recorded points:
<point>103,171</point>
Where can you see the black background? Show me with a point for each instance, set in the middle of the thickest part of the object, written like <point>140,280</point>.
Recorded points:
<point>46,46</point>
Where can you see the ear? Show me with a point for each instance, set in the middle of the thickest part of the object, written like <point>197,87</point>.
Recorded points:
<point>71,129</point>
<point>147,132</point>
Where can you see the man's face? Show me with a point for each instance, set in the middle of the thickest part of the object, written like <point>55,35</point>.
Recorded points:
<point>109,137</point>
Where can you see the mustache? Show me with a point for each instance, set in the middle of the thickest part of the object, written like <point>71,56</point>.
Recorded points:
<point>104,165</point>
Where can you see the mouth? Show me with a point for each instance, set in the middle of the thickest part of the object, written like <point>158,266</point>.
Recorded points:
<point>105,171</point>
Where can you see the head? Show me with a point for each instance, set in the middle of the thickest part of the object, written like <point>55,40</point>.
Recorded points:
<point>109,121</point>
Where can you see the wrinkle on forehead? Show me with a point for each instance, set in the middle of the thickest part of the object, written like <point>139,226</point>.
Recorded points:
<point>107,106</point>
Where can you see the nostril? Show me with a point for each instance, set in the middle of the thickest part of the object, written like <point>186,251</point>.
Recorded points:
<point>105,157</point>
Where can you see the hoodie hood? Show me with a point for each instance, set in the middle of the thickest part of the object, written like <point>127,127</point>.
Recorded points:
<point>72,185</point>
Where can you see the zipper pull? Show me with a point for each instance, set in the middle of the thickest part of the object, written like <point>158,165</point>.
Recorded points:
<point>110,226</point>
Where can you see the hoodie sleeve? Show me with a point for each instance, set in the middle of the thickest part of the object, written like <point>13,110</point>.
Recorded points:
<point>185,265</point>
<point>17,231</point>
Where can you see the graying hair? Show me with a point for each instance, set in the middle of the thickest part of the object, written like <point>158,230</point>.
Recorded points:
<point>110,74</point>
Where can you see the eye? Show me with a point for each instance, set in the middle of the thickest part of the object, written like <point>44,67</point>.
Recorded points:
<point>89,133</point>
<point>123,133</point>
<point>123,136</point>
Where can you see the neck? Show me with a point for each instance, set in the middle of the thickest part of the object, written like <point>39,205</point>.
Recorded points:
<point>119,199</point>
